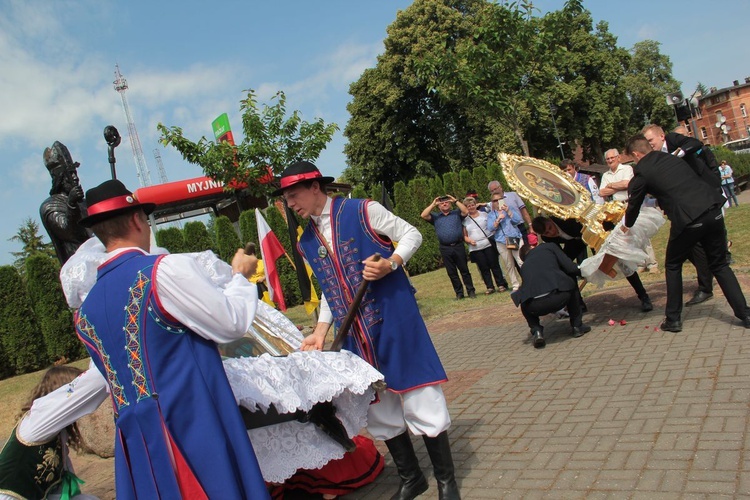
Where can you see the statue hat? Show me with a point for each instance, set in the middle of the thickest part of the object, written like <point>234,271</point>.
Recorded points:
<point>109,199</point>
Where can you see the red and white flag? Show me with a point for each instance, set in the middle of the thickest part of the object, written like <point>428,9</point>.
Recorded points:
<point>270,250</point>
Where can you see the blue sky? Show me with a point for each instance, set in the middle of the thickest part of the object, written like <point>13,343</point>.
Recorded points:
<point>187,62</point>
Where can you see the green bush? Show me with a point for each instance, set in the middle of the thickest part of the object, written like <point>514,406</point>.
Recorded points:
<point>410,201</point>
<point>227,241</point>
<point>171,239</point>
<point>51,310</point>
<point>249,228</point>
<point>21,340</point>
<point>360,192</point>
<point>481,179</point>
<point>196,237</point>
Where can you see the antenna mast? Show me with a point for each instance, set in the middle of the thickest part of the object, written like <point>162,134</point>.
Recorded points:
<point>162,173</point>
<point>144,175</point>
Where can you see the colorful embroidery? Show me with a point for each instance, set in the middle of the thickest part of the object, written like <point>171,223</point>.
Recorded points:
<point>133,330</point>
<point>87,329</point>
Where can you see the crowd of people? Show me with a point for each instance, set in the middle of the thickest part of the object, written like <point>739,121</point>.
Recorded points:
<point>500,235</point>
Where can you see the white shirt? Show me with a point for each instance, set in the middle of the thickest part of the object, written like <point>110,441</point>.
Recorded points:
<point>383,223</point>
<point>197,289</point>
<point>621,173</point>
<point>476,229</point>
<point>60,408</point>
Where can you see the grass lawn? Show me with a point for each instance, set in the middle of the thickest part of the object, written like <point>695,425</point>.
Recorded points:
<point>435,298</point>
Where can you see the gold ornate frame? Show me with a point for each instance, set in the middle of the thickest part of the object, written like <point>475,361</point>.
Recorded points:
<point>553,192</point>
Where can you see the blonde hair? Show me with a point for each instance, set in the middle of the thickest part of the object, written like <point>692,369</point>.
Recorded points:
<point>54,378</point>
<point>653,128</point>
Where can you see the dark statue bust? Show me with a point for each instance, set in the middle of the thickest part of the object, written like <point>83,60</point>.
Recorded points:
<point>61,212</point>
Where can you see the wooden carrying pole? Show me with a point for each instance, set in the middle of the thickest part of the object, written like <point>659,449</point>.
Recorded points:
<point>351,313</point>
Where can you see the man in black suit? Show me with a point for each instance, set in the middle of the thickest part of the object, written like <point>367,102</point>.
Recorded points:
<point>549,284</point>
<point>694,209</point>
<point>567,233</point>
<point>704,164</point>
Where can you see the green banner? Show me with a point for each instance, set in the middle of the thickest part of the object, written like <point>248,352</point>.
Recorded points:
<point>221,126</point>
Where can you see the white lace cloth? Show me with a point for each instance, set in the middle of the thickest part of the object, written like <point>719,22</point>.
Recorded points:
<point>297,382</point>
<point>629,248</point>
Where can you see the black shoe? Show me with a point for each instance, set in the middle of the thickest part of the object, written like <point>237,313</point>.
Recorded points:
<point>537,338</point>
<point>671,326</point>
<point>578,331</point>
<point>459,296</point>
<point>698,297</point>
<point>746,322</point>
<point>439,450</point>
<point>472,295</point>
<point>646,304</point>
<point>413,482</point>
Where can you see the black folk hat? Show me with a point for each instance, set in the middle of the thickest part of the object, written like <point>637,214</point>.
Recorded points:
<point>109,199</point>
<point>300,172</point>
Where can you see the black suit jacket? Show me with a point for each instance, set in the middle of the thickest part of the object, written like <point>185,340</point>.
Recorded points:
<point>545,269</point>
<point>695,156</point>
<point>675,185</point>
<point>571,227</point>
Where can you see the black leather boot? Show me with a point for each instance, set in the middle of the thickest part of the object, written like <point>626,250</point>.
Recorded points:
<point>439,449</point>
<point>413,482</point>
<point>537,337</point>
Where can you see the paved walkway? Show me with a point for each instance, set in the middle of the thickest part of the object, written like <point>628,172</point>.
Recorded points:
<point>626,411</point>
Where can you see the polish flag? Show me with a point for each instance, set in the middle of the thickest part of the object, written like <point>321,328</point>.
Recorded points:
<point>270,250</point>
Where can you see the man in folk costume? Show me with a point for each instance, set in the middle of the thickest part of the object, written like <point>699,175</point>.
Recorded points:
<point>388,332</point>
<point>151,324</point>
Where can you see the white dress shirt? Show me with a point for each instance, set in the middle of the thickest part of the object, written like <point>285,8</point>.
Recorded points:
<point>383,223</point>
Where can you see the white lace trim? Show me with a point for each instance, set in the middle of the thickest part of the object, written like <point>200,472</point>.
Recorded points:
<point>297,382</point>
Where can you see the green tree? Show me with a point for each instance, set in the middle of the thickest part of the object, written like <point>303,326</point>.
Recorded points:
<point>359,191</point>
<point>51,311</point>
<point>171,238</point>
<point>33,243</point>
<point>249,228</point>
<point>227,240</point>
<point>649,79</point>
<point>196,237</point>
<point>271,141</point>
<point>20,337</point>
<point>411,199</point>
<point>400,128</point>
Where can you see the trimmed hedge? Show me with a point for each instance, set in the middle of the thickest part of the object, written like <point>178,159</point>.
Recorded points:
<point>52,312</point>
<point>196,237</point>
<point>227,240</point>
<point>21,340</point>
<point>171,238</point>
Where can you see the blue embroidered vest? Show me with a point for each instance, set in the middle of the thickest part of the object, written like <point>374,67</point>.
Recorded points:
<point>178,426</point>
<point>388,331</point>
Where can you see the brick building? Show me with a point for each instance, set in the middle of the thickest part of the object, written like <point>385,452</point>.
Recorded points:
<point>728,108</point>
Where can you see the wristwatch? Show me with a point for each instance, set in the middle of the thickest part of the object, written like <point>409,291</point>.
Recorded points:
<point>394,264</point>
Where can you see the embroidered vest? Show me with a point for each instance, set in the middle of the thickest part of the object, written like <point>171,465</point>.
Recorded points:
<point>170,394</point>
<point>388,331</point>
<point>30,470</point>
